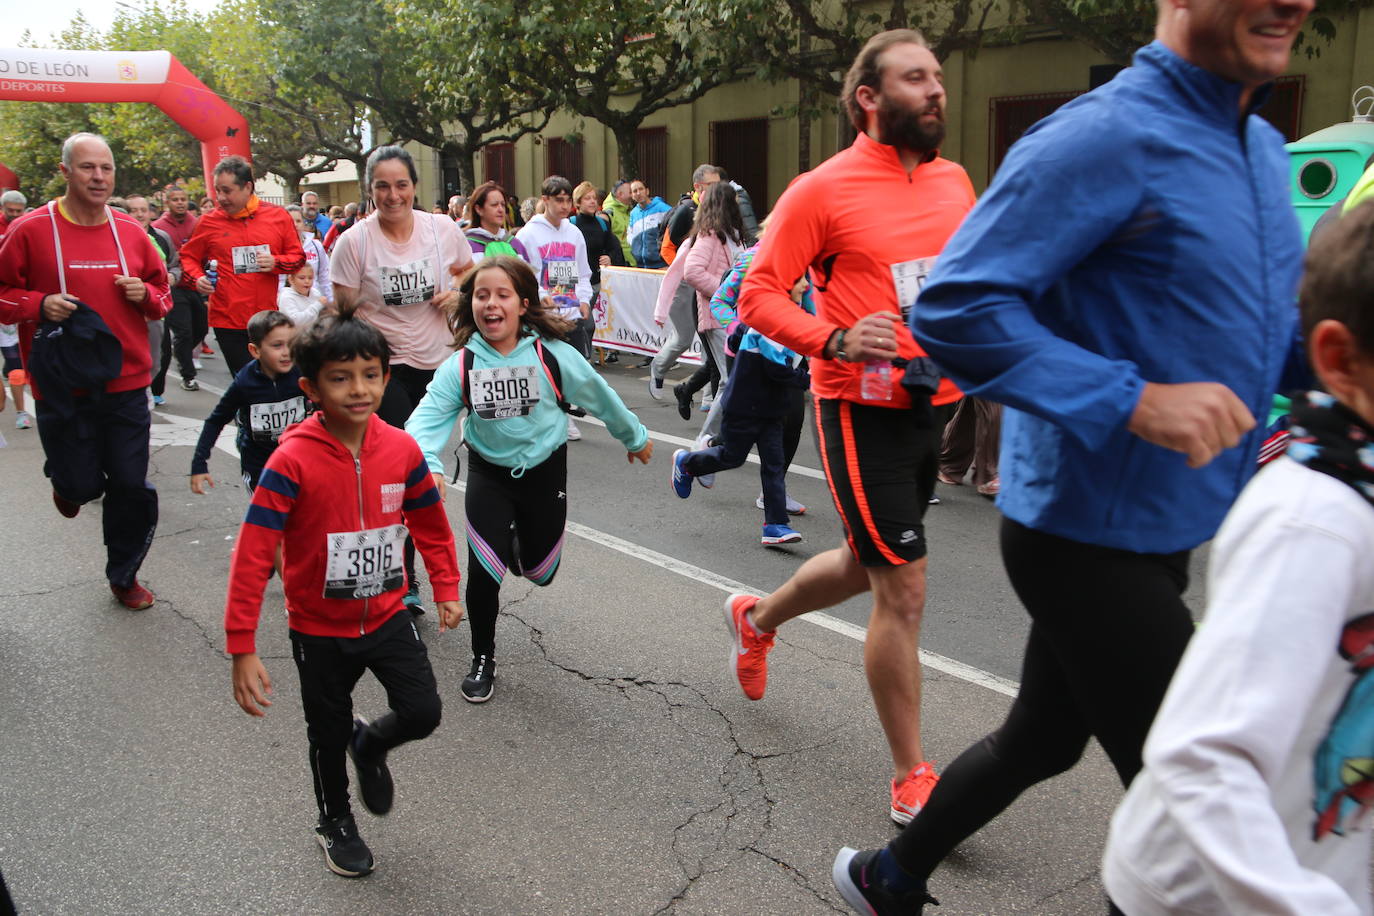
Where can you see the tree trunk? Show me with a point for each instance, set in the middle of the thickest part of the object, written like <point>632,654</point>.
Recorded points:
<point>627,148</point>
<point>467,172</point>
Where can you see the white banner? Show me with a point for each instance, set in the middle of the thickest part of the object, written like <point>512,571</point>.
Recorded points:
<point>84,66</point>
<point>625,314</point>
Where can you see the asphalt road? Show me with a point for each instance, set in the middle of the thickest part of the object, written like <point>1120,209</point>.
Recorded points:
<point>617,769</point>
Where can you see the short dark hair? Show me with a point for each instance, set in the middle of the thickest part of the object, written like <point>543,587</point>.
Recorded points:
<point>337,338</point>
<point>265,322</point>
<point>866,70</point>
<point>479,194</point>
<point>555,185</point>
<point>1338,279</point>
<point>236,166</point>
<point>382,154</point>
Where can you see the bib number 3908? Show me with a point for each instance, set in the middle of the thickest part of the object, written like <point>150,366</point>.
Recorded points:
<point>504,391</point>
<point>364,564</point>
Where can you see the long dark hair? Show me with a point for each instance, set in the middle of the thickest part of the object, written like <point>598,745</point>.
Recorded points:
<point>718,214</point>
<point>479,197</point>
<point>546,324</point>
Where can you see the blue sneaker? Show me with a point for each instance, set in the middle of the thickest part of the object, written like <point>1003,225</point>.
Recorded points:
<point>773,535</point>
<point>158,400</point>
<point>682,481</point>
<point>856,876</point>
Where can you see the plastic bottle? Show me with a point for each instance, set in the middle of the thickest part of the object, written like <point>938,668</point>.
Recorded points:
<point>877,381</point>
<point>212,272</point>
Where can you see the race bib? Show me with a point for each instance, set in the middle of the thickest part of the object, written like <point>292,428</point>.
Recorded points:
<point>246,257</point>
<point>561,274</point>
<point>504,391</point>
<point>268,421</point>
<point>408,284</point>
<point>909,278</point>
<point>364,564</point>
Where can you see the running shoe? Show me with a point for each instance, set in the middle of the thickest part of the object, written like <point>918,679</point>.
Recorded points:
<point>196,364</point>
<point>911,794</point>
<point>205,349</point>
<point>344,851</point>
<point>477,686</point>
<point>134,597</point>
<point>706,401</point>
<point>64,505</point>
<point>411,600</point>
<point>24,420</point>
<point>949,480</point>
<point>190,384</point>
<point>684,401</point>
<point>749,655</point>
<point>375,787</point>
<point>655,387</point>
<point>573,432</point>
<point>793,507</point>
<point>612,357</point>
<point>159,400</point>
<point>857,877</point>
<point>682,481</point>
<point>775,535</point>
<point>933,501</point>
<point>706,480</point>
<point>991,488</point>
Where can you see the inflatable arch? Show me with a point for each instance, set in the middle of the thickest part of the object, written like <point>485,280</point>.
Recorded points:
<point>48,75</point>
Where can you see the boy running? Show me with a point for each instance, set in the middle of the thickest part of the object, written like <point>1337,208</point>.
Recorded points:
<point>344,576</point>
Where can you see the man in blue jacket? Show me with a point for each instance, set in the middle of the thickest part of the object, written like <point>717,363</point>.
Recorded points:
<point>646,226</point>
<point>1127,288</point>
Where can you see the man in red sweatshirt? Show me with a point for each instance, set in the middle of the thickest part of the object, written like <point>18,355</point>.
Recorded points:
<point>77,250</point>
<point>251,242</point>
<point>188,321</point>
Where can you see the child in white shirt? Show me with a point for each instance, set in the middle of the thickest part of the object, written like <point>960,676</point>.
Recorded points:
<point>297,300</point>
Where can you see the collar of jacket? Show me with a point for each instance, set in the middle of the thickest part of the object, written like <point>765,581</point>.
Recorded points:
<point>248,209</point>
<point>1212,96</point>
<point>869,148</point>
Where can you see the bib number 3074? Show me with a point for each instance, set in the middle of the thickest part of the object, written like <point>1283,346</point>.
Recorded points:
<point>364,564</point>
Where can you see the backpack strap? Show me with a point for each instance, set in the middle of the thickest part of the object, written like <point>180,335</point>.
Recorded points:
<point>554,373</point>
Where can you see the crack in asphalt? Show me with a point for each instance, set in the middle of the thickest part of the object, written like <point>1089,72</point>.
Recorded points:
<point>702,843</point>
<point>1091,875</point>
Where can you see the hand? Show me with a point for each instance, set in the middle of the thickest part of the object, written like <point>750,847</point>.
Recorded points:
<point>458,273</point>
<point>657,322</point>
<point>450,614</point>
<point>1199,419</point>
<point>604,261</point>
<point>204,286</point>
<point>585,309</point>
<point>873,338</point>
<point>252,686</point>
<point>266,263</point>
<point>133,288</point>
<point>442,300</point>
<point>798,290</point>
<point>440,485</point>
<point>643,454</point>
<point>58,307</point>
<point>198,482</point>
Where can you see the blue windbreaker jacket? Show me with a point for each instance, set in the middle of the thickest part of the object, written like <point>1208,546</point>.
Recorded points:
<point>1143,232</point>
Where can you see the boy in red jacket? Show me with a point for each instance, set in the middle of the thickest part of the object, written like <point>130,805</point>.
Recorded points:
<point>339,494</point>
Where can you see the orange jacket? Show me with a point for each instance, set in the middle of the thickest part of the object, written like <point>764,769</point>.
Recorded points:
<point>238,297</point>
<point>849,221</point>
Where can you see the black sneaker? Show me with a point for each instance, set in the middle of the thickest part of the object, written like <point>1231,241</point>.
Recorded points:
<point>684,401</point>
<point>857,881</point>
<point>375,787</point>
<point>190,384</point>
<point>477,685</point>
<point>344,851</point>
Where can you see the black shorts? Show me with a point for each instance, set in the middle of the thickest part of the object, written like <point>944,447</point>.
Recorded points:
<point>881,471</point>
<point>12,362</point>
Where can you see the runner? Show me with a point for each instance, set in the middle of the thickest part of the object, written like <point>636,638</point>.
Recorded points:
<point>489,230</point>
<point>877,441</point>
<point>1133,334</point>
<point>343,577</point>
<point>251,242</point>
<point>514,374</point>
<point>111,282</point>
<point>188,321</point>
<point>397,267</point>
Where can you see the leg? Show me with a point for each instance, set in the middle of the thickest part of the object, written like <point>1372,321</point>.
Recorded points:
<point>541,513</point>
<point>328,677</point>
<point>71,449</point>
<point>490,511</point>
<point>181,322</point>
<point>890,658</point>
<point>987,441</point>
<point>712,426</point>
<point>771,470</point>
<point>397,658</point>
<point>233,346</point>
<point>129,515</point>
<point>737,439</point>
<point>681,327</point>
<point>957,442</point>
<point>200,319</point>
<point>162,361</point>
<point>793,423</point>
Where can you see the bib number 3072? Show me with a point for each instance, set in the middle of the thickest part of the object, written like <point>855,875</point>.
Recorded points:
<point>364,564</point>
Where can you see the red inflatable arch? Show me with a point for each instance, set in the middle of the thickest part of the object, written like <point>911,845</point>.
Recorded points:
<point>48,75</point>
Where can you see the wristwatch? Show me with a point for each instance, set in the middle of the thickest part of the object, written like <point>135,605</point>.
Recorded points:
<point>839,346</point>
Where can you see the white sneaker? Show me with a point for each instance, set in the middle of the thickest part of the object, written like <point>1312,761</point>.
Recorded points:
<point>655,387</point>
<point>706,480</point>
<point>573,432</point>
<point>196,363</point>
<point>793,507</point>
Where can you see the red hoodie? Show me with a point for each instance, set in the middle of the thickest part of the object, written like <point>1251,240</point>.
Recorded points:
<point>91,256</point>
<point>240,296</point>
<point>342,524</point>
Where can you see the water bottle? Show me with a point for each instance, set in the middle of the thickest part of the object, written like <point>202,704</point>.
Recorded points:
<point>877,381</point>
<point>212,272</point>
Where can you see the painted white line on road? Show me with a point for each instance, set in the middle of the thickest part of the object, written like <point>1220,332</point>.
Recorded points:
<point>950,666</point>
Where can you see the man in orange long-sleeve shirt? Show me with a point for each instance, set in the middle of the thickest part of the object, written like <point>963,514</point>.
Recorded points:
<point>251,242</point>
<point>890,205</point>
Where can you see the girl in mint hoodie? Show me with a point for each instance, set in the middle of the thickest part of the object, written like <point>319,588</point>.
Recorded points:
<point>514,374</point>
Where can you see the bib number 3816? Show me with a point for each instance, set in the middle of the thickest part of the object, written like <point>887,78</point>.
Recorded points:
<point>364,564</point>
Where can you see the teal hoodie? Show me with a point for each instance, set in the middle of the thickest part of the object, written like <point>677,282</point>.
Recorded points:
<point>519,443</point>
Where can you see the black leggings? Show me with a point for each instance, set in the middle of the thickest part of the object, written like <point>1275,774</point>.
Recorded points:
<point>404,391</point>
<point>501,510</point>
<point>1108,628</point>
<point>233,347</point>
<point>707,373</point>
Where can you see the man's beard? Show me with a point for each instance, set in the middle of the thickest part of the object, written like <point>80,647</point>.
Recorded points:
<point>903,128</point>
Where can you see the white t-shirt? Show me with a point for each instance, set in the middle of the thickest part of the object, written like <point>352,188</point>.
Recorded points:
<point>300,309</point>
<point>9,335</point>
<point>397,282</point>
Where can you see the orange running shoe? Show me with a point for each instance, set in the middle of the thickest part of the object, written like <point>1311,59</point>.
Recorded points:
<point>910,795</point>
<point>749,655</point>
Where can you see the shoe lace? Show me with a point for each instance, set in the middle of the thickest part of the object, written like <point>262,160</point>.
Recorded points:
<point>479,667</point>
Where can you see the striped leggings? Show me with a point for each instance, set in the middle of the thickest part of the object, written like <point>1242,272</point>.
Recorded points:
<point>513,523</point>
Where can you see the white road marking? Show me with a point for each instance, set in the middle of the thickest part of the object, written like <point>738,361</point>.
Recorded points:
<point>941,663</point>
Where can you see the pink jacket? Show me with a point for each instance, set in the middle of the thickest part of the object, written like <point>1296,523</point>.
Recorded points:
<point>671,281</point>
<point>707,264</point>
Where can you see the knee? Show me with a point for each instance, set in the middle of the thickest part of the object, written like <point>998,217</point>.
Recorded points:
<point>1039,759</point>
<point>422,715</point>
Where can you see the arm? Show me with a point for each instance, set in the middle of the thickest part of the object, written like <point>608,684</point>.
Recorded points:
<point>17,301</point>
<point>535,259</point>
<point>584,273</point>
<point>726,298</point>
<point>195,253</point>
<point>156,300</point>
<point>424,514</point>
<point>214,425</point>
<point>287,254</point>
<point>1238,702</point>
<point>667,290</point>
<point>431,423</point>
<point>699,272</point>
<point>584,387</point>
<point>345,271</point>
<point>323,280</point>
